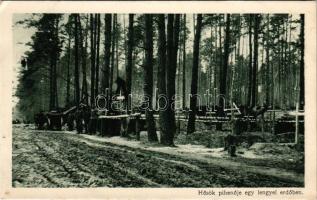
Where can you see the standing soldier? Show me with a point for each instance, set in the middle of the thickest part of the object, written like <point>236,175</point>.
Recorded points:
<point>86,117</point>
<point>79,120</point>
<point>93,122</point>
<point>70,121</point>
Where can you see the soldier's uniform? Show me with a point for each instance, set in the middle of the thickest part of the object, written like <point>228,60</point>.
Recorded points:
<point>79,120</point>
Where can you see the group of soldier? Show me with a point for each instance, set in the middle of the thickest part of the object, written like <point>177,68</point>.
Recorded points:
<point>83,118</point>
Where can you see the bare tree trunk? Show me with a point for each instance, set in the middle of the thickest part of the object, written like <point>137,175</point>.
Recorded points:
<point>193,99</point>
<point>161,82</point>
<point>216,70</point>
<point>184,63</point>
<point>302,63</point>
<point>220,49</point>
<point>56,60</point>
<point>250,62</point>
<point>291,76</point>
<point>129,56</point>
<point>106,69</point>
<point>170,76</point>
<point>92,61</point>
<point>117,48</point>
<point>113,45</point>
<point>83,62</point>
<point>223,75</point>
<point>76,74</point>
<point>279,66</point>
<point>255,61</point>
<point>172,50</point>
<point>68,71</point>
<point>52,95</point>
<point>97,52</point>
<point>148,77</point>
<point>53,64</point>
<point>124,41</point>
<point>267,70</point>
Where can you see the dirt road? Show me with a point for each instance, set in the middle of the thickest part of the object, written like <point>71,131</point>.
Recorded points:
<point>63,159</point>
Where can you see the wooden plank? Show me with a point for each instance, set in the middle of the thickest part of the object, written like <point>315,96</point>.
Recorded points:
<point>119,116</point>
<point>295,113</point>
<point>69,110</point>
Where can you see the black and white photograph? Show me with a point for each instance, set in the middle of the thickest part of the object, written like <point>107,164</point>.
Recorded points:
<point>162,100</point>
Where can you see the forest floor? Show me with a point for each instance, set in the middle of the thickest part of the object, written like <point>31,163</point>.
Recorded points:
<point>66,159</point>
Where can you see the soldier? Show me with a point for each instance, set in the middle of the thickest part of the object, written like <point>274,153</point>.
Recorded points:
<point>93,121</point>
<point>230,145</point>
<point>70,121</point>
<point>86,117</point>
<point>79,120</point>
<point>40,119</point>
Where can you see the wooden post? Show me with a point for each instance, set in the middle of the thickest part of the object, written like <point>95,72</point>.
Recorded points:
<point>233,125</point>
<point>273,121</point>
<point>137,131</point>
<point>262,122</point>
<point>296,123</point>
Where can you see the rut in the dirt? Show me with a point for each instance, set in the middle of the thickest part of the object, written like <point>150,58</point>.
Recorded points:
<point>58,159</point>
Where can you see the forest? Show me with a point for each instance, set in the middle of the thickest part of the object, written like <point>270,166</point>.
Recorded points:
<point>219,66</point>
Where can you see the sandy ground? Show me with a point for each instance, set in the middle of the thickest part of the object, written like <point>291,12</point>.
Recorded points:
<point>66,159</point>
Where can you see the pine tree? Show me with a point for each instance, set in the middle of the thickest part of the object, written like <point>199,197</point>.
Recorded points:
<point>129,54</point>
<point>107,51</point>
<point>92,61</point>
<point>302,63</point>
<point>148,77</point>
<point>193,99</point>
<point>76,74</point>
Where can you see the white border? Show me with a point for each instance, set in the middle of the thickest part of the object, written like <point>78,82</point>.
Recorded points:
<point>6,74</point>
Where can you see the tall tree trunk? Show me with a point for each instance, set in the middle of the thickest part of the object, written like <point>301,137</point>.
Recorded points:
<point>83,62</point>
<point>117,48</point>
<point>238,60</point>
<point>210,66</point>
<point>56,60</point>
<point>279,65</point>
<point>68,71</point>
<point>170,77</point>
<point>161,82</point>
<point>98,24</point>
<point>92,61</point>
<point>53,65</point>
<point>223,75</point>
<point>216,64</point>
<point>267,54</point>
<point>175,53</point>
<point>291,79</point>
<point>282,83</point>
<point>302,63</point>
<point>184,63</point>
<point>172,50</point>
<point>52,95</point>
<point>255,60</point>
<point>250,61</point>
<point>124,41</point>
<point>106,69</point>
<point>113,45</point>
<point>130,56</point>
<point>148,77</point>
<point>286,96</point>
<point>193,99</point>
<point>76,74</point>
<point>220,48</point>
